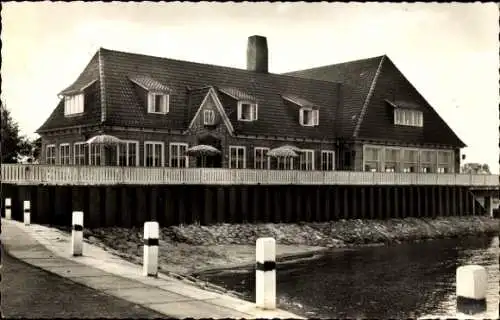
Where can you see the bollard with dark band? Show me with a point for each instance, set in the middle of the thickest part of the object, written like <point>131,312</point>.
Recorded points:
<point>8,210</point>
<point>265,273</point>
<point>151,242</point>
<point>27,213</point>
<point>472,284</point>
<point>77,234</point>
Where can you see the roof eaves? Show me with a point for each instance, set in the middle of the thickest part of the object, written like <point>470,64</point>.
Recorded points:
<point>71,90</point>
<point>102,86</point>
<point>368,97</point>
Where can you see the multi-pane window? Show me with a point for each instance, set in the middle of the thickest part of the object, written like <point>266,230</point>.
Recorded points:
<point>427,161</point>
<point>64,154</point>
<point>95,153</point>
<point>406,117</point>
<point>158,103</point>
<point>73,104</point>
<point>247,111</point>
<point>391,163</point>
<point>261,160</point>
<point>80,153</point>
<point>372,159</point>
<point>50,154</point>
<point>178,157</point>
<point>445,162</point>
<point>307,160</point>
<point>237,157</point>
<point>208,117</point>
<point>284,163</point>
<point>309,117</point>
<point>327,160</point>
<point>410,161</point>
<point>127,153</point>
<point>153,154</point>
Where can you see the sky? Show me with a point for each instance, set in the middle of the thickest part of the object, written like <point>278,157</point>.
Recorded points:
<point>448,51</point>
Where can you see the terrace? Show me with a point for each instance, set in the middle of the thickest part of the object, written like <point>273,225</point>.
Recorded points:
<point>32,174</point>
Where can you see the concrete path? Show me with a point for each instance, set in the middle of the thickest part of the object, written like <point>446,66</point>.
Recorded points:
<point>49,249</point>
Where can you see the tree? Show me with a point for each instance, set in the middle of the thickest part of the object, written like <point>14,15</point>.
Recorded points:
<point>13,144</point>
<point>476,168</point>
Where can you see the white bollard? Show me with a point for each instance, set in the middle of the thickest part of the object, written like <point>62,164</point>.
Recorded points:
<point>77,234</point>
<point>8,209</point>
<point>472,283</point>
<point>27,213</point>
<point>265,274</point>
<point>151,241</point>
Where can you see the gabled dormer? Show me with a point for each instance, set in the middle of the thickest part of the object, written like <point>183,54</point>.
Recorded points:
<point>157,94</point>
<point>308,111</point>
<point>248,108</point>
<point>406,114</point>
<point>74,99</point>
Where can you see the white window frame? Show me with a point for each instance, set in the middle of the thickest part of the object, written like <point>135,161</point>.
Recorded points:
<point>433,164</point>
<point>162,153</point>
<point>51,160</point>
<point>408,117</point>
<point>208,117</point>
<point>284,163</point>
<point>237,160</point>
<point>254,112</point>
<point>441,166</point>
<point>77,145</point>
<point>403,161</point>
<point>177,145</point>
<point>64,159</point>
<point>379,162</point>
<point>165,102</point>
<point>397,161</point>
<point>264,158</point>
<point>94,156</point>
<point>309,166</point>
<point>127,152</point>
<point>74,104</point>
<point>314,117</point>
<point>330,154</point>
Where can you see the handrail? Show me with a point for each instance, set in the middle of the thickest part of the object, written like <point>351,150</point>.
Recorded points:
<point>103,175</point>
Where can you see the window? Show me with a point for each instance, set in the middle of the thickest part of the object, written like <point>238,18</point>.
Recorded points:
<point>284,163</point>
<point>95,154</point>
<point>153,154</point>
<point>127,153</point>
<point>327,160</point>
<point>178,157</point>
<point>309,117</point>
<point>50,155</point>
<point>405,117</point>
<point>261,160</point>
<point>80,151</point>
<point>445,162</point>
<point>410,161</point>
<point>208,117</point>
<point>73,104</point>
<point>237,157</point>
<point>307,160</point>
<point>391,163</point>
<point>247,111</point>
<point>427,161</point>
<point>372,159</point>
<point>64,155</point>
<point>158,103</point>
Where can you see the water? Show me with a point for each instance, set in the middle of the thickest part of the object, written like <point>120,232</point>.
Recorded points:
<point>405,280</point>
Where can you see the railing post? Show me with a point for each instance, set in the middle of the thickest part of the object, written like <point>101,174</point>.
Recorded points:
<point>151,242</point>
<point>265,274</point>
<point>8,212</point>
<point>27,213</point>
<point>77,233</point>
<point>472,283</point>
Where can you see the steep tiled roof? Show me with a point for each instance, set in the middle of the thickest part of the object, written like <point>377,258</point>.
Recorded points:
<point>149,83</point>
<point>301,102</point>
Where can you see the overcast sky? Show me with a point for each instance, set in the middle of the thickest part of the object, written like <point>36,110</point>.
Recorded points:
<point>448,51</point>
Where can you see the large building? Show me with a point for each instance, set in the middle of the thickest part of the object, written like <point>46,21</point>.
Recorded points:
<point>362,115</point>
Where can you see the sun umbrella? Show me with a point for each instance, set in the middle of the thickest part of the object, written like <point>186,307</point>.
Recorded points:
<point>282,152</point>
<point>202,150</point>
<point>104,139</point>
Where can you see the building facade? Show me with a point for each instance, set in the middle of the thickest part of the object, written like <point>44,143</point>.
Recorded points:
<point>362,115</point>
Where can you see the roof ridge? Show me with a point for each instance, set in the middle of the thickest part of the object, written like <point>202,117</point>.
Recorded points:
<point>337,64</point>
<point>368,97</point>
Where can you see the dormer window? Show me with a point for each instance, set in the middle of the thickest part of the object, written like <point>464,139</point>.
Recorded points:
<point>309,117</point>
<point>247,111</point>
<point>208,117</point>
<point>405,117</point>
<point>158,103</point>
<point>73,104</point>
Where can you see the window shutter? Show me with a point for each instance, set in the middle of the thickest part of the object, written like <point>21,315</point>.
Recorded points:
<point>316,117</point>
<point>239,110</point>
<point>167,103</point>
<point>301,116</point>
<point>256,110</point>
<point>150,102</point>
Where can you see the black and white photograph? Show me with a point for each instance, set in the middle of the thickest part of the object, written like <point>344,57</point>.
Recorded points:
<point>243,160</point>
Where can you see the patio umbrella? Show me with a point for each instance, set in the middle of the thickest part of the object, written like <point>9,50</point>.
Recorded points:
<point>104,139</point>
<point>284,151</point>
<point>202,150</point>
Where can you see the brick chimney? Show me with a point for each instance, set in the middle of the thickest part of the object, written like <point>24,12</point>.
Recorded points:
<point>257,59</point>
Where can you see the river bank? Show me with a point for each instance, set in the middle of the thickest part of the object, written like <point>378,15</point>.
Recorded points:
<point>193,249</point>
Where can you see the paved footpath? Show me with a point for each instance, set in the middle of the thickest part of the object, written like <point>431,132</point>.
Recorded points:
<point>49,249</point>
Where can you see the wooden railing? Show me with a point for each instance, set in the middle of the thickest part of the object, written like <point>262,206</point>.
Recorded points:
<point>87,175</point>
